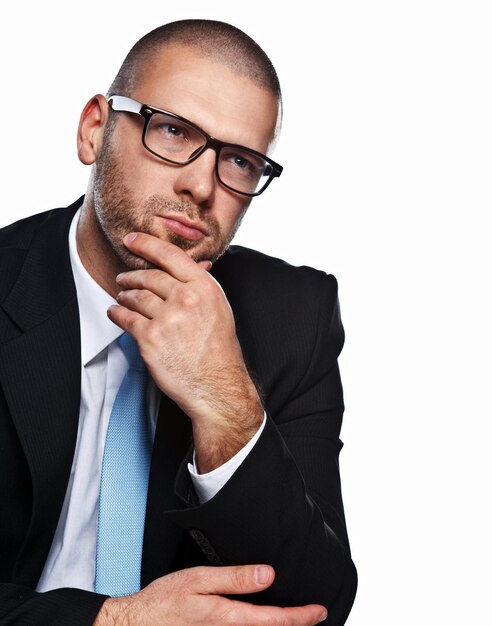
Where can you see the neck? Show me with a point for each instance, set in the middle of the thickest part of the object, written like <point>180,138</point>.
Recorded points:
<point>95,252</point>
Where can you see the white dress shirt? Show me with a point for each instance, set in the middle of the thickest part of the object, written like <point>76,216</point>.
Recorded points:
<point>72,557</point>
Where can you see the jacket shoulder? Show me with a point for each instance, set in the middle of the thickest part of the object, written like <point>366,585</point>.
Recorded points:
<point>268,272</point>
<point>19,234</point>
<point>272,283</point>
<point>19,238</point>
<point>281,308</point>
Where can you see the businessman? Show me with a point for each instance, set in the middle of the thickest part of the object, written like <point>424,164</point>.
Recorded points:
<point>170,405</point>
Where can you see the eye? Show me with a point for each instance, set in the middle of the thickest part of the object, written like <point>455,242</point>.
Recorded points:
<point>240,161</point>
<point>239,168</point>
<point>172,130</point>
<point>167,128</point>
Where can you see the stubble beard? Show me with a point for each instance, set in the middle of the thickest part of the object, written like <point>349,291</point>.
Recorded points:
<point>119,212</point>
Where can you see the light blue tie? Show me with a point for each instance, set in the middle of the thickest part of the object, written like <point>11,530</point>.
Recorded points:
<point>124,482</point>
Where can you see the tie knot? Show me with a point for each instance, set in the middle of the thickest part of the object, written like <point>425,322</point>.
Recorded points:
<point>130,350</point>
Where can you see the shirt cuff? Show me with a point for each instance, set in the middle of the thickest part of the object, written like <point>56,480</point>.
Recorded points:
<point>207,485</point>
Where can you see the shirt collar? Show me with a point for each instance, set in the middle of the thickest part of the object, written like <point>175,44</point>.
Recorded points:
<point>97,331</point>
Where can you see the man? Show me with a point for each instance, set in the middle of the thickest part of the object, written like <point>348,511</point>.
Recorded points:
<point>241,519</point>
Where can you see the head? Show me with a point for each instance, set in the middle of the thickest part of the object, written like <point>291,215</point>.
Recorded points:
<point>216,77</point>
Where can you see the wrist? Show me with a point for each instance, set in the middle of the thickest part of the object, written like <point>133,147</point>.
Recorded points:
<point>218,440</point>
<point>229,401</point>
<point>114,612</point>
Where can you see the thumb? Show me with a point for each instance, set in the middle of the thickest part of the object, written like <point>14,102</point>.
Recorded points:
<point>235,579</point>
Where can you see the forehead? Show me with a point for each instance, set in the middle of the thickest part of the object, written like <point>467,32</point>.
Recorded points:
<point>227,105</point>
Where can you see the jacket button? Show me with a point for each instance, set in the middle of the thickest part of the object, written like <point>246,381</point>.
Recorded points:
<point>197,535</point>
<point>205,546</point>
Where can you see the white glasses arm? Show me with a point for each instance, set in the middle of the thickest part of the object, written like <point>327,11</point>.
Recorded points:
<point>122,103</point>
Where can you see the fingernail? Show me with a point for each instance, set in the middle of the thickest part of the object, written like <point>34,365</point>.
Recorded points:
<point>262,574</point>
<point>130,237</point>
<point>323,617</point>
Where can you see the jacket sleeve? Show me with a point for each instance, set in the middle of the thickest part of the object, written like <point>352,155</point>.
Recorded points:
<point>283,505</point>
<point>21,606</point>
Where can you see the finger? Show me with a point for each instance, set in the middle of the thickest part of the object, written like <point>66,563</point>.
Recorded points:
<point>245,613</point>
<point>232,579</point>
<point>156,281</point>
<point>242,579</point>
<point>141,301</point>
<point>207,265</point>
<point>130,321</point>
<point>163,254</point>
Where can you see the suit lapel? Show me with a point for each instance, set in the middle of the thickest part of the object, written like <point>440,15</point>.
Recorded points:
<point>40,374</point>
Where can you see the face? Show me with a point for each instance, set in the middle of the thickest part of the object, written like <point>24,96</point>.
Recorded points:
<point>136,191</point>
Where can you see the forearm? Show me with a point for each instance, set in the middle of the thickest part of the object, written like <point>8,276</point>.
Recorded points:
<point>233,416</point>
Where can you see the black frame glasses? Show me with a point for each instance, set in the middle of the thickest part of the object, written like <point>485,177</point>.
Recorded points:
<point>270,169</point>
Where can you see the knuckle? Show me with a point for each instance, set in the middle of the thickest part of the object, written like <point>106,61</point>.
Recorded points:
<point>152,274</point>
<point>200,576</point>
<point>132,324</point>
<point>160,278</point>
<point>184,576</point>
<point>277,619</point>
<point>171,251</point>
<point>174,321</point>
<point>142,278</point>
<point>153,333</point>
<point>214,285</point>
<point>138,295</point>
<point>238,578</point>
<point>146,295</point>
<point>126,296</point>
<point>191,299</point>
<point>186,296</point>
<point>210,288</point>
<point>134,278</point>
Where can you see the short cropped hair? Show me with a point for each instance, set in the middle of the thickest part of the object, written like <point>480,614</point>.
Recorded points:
<point>216,40</point>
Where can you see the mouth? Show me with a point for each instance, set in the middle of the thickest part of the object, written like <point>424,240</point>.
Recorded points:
<point>183,226</point>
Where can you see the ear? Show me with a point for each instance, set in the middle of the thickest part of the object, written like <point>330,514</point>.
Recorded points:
<point>91,129</point>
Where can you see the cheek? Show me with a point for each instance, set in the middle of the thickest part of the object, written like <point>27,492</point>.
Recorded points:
<point>149,179</point>
<point>229,210</point>
<point>144,175</point>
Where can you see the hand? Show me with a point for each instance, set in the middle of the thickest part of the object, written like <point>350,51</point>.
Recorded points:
<point>185,331</point>
<point>192,597</point>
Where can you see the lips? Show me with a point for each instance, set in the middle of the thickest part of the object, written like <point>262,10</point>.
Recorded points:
<point>183,226</point>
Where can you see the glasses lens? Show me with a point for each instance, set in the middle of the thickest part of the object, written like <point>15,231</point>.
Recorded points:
<point>242,170</point>
<point>172,139</point>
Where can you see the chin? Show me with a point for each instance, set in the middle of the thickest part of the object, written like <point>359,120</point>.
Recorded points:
<point>137,263</point>
<point>131,261</point>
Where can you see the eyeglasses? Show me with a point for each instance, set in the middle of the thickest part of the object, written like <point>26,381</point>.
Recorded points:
<point>175,140</point>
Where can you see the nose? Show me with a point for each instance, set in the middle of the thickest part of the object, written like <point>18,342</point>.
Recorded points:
<point>197,180</point>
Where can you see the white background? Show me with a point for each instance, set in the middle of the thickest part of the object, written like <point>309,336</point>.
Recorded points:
<point>387,148</point>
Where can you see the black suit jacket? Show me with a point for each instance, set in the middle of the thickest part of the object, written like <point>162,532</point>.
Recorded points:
<point>283,506</point>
